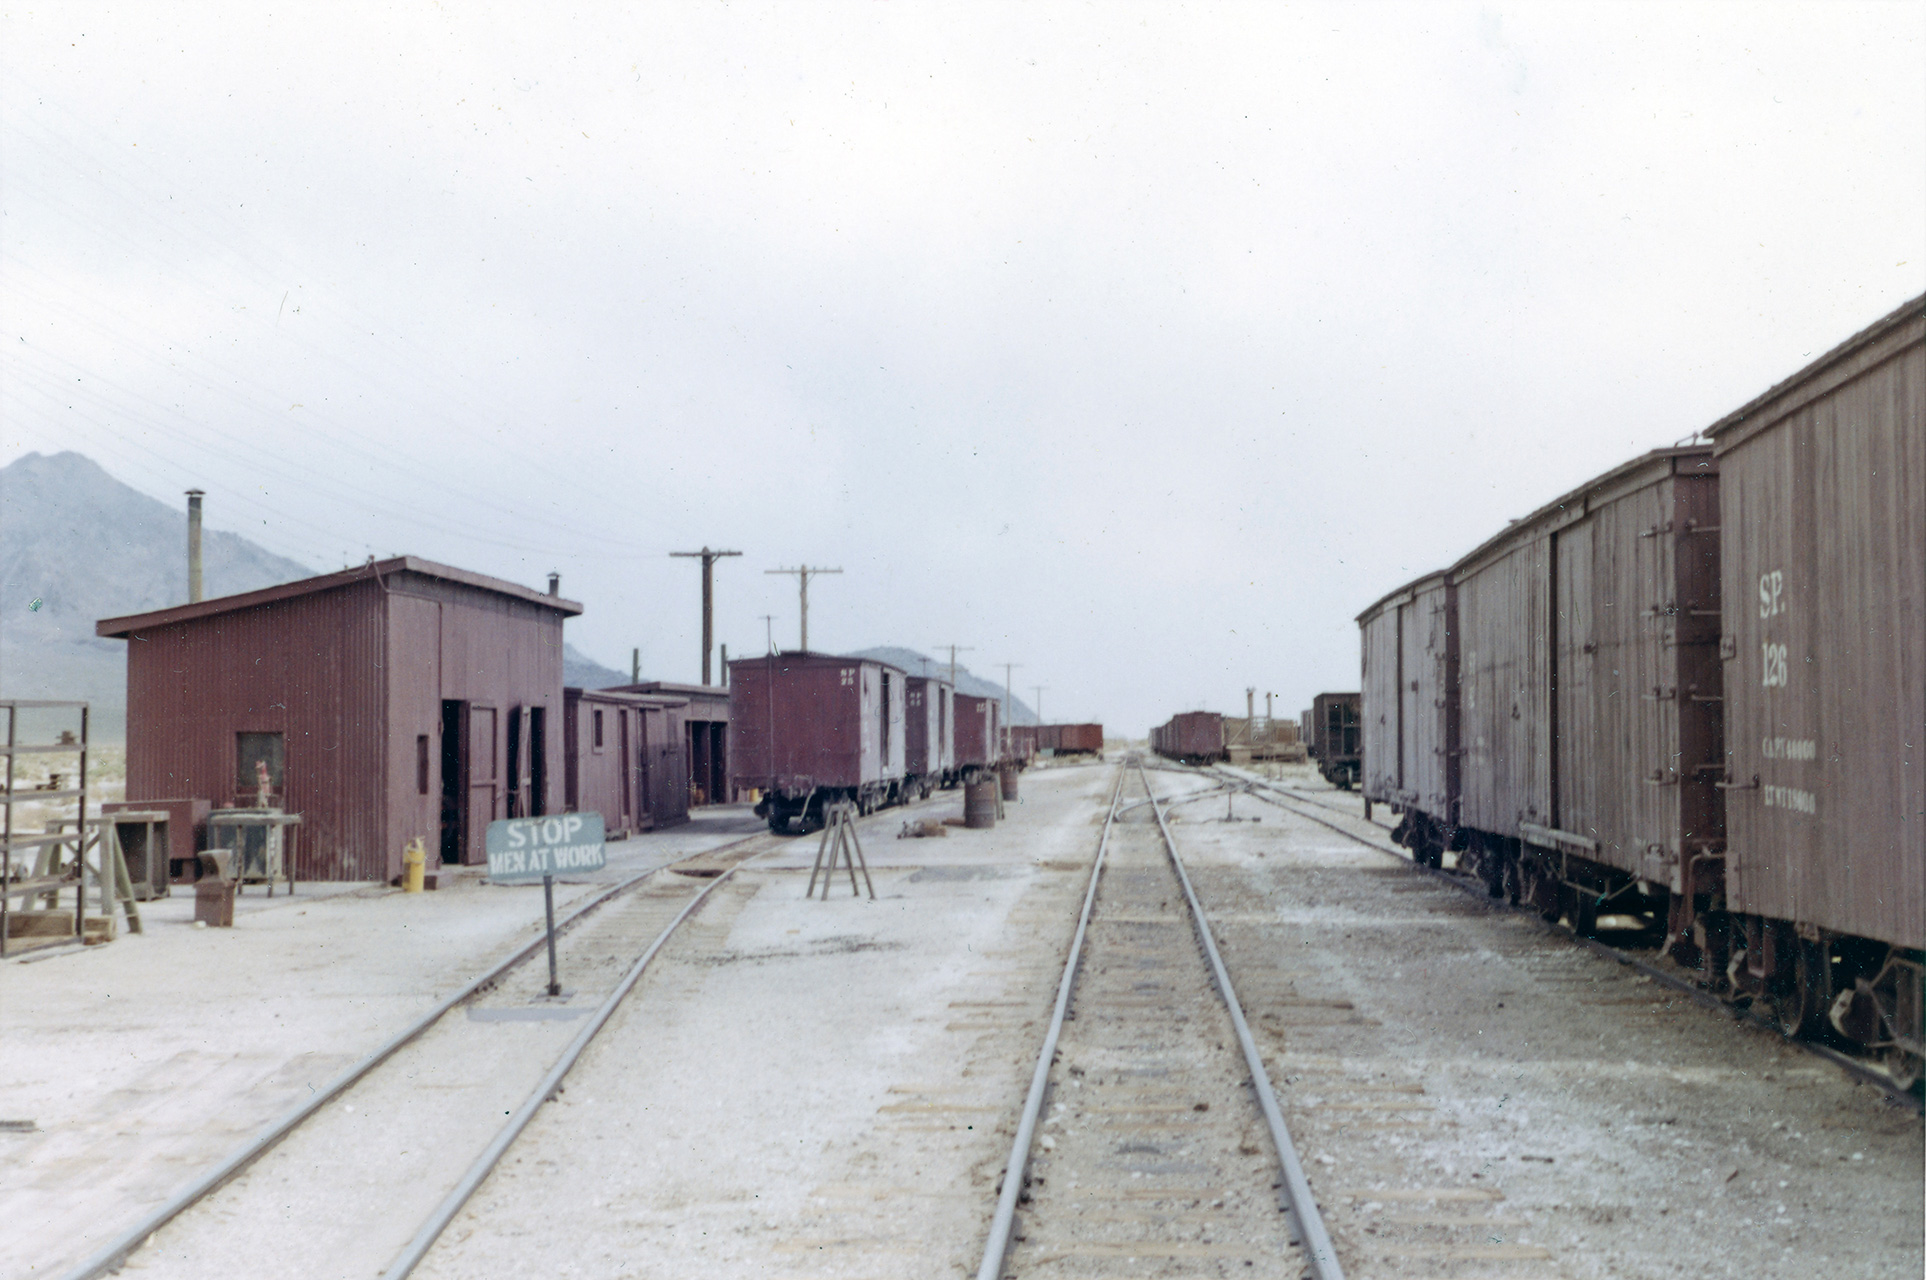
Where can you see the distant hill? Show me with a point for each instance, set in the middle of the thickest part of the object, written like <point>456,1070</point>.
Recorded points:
<point>966,682</point>
<point>85,547</point>
<point>579,671</point>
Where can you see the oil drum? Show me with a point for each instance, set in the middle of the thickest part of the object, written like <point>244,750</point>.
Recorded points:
<point>979,803</point>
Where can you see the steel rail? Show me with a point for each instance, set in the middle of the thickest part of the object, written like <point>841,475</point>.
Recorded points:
<point>484,1164</point>
<point>1003,1223</point>
<point>1315,1238</point>
<point>116,1251</point>
<point>1477,890</point>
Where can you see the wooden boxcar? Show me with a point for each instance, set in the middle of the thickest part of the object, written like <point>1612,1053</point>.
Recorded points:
<point>806,729</point>
<point>1590,693</point>
<point>1020,743</point>
<point>1409,711</point>
<point>929,739</point>
<point>1079,739</point>
<point>1823,523</point>
<point>1195,737</point>
<point>1334,718</point>
<point>979,736</point>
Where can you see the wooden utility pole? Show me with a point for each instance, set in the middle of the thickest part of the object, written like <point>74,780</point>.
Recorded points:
<point>1008,667</point>
<point>769,630</point>
<point>803,574</point>
<point>954,650</point>
<point>708,559</point>
<point>1038,690</point>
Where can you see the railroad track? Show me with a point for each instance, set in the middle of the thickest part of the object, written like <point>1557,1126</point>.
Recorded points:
<point>1164,1144</point>
<point>367,1172</point>
<point>1283,797</point>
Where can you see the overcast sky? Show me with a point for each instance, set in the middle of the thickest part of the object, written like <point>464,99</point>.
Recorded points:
<point>1141,345</point>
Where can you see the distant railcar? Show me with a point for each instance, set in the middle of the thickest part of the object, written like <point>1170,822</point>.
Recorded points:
<point>929,743</point>
<point>1195,737</point>
<point>1408,711</point>
<point>1334,721</point>
<point>1079,739</point>
<point>1020,743</point>
<point>979,738</point>
<point>807,729</point>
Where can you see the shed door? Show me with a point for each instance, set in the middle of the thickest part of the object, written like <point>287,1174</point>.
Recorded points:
<point>484,779</point>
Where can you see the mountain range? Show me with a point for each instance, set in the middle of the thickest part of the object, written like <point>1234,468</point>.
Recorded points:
<point>77,545</point>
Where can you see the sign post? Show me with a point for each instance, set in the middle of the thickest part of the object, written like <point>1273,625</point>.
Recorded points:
<point>524,850</point>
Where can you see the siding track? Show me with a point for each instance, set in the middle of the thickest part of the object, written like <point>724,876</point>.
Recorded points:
<point>1162,1147</point>
<point>393,1133</point>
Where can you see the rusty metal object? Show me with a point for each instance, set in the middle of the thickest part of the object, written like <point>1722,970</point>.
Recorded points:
<point>979,803</point>
<point>1006,774</point>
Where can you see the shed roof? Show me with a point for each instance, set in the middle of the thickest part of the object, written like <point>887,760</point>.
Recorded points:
<point>120,628</point>
<point>624,697</point>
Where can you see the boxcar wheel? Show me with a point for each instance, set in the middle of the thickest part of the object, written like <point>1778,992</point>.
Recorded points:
<point>1902,1065</point>
<point>1800,1002</point>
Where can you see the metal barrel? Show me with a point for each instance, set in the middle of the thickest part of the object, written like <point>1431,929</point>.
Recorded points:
<point>1007,776</point>
<point>979,803</point>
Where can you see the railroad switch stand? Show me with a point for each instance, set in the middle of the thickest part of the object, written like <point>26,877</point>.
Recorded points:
<point>839,844</point>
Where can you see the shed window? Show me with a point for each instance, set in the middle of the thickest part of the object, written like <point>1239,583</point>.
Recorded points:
<point>596,721</point>
<point>259,748</point>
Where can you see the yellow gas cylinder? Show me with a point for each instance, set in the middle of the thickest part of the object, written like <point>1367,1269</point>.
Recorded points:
<point>414,860</point>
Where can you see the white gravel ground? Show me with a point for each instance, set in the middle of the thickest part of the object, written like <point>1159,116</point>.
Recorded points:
<point>827,1089</point>
<point>145,1060</point>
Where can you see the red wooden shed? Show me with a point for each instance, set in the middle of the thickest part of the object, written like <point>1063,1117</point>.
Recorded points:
<point>624,758</point>
<point>397,700</point>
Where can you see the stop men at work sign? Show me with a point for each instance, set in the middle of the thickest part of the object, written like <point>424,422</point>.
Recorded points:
<point>522,849</point>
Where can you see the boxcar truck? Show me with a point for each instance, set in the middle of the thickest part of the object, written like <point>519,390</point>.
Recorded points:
<point>810,729</point>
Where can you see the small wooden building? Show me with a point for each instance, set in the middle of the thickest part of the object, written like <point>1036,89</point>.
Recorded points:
<point>706,733</point>
<point>398,700</point>
<point>624,757</point>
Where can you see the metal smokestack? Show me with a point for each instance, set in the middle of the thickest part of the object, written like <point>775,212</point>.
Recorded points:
<point>194,497</point>
<point>555,584</point>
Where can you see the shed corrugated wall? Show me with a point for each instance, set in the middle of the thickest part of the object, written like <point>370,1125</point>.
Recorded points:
<point>309,668</point>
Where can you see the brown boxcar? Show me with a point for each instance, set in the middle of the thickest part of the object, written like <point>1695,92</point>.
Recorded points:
<point>979,737</point>
<point>396,700</point>
<point>929,731</point>
<point>1196,737</point>
<point>1409,710</point>
<point>1590,692</point>
<point>810,728</point>
<point>1823,519</point>
<point>1079,739</point>
<point>1020,743</point>
<point>1334,718</point>
<point>1048,738</point>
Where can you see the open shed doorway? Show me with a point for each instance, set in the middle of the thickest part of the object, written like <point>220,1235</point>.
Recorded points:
<point>454,780</point>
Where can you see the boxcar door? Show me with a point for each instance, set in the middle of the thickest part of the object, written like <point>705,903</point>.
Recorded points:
<point>484,779</point>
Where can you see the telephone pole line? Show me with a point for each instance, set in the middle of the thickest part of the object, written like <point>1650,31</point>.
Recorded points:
<point>803,574</point>
<point>708,559</point>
